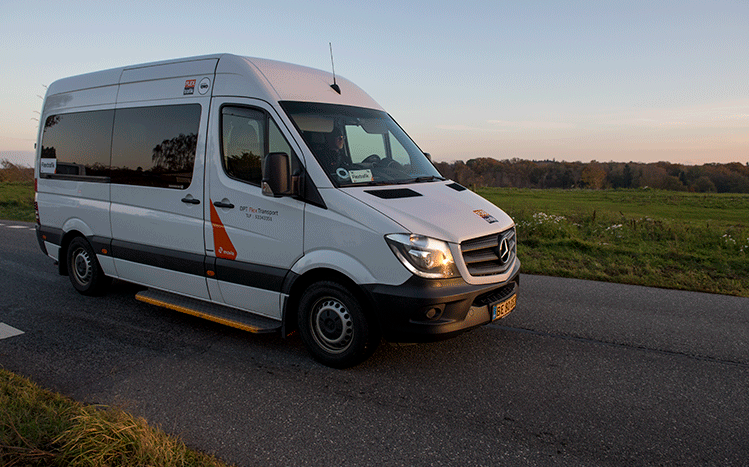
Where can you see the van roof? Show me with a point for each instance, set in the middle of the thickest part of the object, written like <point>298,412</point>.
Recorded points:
<point>233,75</point>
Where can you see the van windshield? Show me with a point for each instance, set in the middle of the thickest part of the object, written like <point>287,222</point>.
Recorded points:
<point>358,146</point>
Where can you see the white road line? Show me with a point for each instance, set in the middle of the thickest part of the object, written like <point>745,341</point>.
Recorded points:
<point>8,331</point>
<point>17,227</point>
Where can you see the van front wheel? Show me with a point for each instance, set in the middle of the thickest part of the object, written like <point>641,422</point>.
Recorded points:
<point>334,327</point>
<point>84,269</point>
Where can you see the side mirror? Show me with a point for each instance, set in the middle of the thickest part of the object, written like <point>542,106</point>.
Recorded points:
<point>429,156</point>
<point>277,175</point>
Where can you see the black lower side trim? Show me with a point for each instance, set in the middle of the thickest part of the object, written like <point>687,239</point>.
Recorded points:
<point>252,275</point>
<point>189,263</point>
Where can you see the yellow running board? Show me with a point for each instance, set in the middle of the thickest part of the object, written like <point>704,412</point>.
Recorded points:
<point>210,311</point>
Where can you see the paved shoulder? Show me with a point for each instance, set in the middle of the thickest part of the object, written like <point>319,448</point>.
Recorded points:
<point>697,324</point>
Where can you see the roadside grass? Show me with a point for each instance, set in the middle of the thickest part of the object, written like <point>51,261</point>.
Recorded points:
<point>41,428</point>
<point>656,238</point>
<point>17,201</point>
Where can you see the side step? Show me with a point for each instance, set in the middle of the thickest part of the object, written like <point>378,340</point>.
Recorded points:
<point>217,313</point>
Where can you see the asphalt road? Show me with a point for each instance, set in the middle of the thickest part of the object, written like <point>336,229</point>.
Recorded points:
<point>582,373</point>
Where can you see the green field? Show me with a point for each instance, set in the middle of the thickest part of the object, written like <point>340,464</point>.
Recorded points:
<point>17,201</point>
<point>685,241</point>
<point>688,241</point>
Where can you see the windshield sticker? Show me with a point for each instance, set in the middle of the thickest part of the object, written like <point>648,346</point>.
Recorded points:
<point>485,215</point>
<point>361,176</point>
<point>341,172</point>
<point>48,166</point>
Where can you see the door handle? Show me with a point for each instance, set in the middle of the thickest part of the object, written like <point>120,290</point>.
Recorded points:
<point>220,204</point>
<point>190,200</point>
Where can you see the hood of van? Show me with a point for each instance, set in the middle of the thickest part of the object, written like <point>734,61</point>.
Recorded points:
<point>442,210</point>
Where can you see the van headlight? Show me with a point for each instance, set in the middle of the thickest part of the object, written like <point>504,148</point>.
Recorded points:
<point>423,256</point>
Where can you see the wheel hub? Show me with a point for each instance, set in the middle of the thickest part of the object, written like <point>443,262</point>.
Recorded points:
<point>332,327</point>
<point>82,264</point>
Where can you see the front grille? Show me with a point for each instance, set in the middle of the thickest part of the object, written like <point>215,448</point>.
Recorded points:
<point>483,255</point>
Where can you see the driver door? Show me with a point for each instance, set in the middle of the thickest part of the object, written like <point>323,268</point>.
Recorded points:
<point>253,239</point>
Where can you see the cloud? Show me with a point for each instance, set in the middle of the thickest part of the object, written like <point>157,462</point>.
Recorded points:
<point>506,126</point>
<point>531,125</point>
<point>704,116</point>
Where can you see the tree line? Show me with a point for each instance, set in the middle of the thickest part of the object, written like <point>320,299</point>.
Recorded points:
<point>518,173</point>
<point>10,172</point>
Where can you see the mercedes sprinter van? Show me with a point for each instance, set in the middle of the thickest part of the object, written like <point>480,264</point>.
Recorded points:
<point>268,197</point>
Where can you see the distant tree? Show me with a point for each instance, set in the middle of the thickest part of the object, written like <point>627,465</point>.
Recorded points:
<point>10,172</point>
<point>703,185</point>
<point>594,176</point>
<point>620,176</point>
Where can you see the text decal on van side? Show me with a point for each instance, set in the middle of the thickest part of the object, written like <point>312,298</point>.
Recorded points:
<point>221,242</point>
<point>189,87</point>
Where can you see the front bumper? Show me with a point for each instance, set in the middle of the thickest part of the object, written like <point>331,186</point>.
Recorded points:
<point>423,310</point>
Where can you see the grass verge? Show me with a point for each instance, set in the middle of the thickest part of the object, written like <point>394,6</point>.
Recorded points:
<point>41,428</point>
<point>17,201</point>
<point>686,241</point>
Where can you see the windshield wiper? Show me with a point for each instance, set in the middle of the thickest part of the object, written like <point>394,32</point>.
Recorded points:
<point>426,178</point>
<point>370,183</point>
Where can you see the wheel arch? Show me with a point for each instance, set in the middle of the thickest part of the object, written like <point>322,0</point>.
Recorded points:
<point>322,274</point>
<point>72,228</point>
<point>67,237</point>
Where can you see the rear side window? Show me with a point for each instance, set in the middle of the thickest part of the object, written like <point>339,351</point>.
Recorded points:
<point>77,144</point>
<point>155,146</point>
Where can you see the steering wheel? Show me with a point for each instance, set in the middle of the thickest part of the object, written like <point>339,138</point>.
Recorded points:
<point>371,159</point>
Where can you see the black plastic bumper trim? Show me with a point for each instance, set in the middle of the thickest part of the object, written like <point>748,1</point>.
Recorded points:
<point>456,306</point>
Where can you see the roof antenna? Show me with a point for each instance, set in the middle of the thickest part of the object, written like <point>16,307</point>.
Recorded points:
<point>335,87</point>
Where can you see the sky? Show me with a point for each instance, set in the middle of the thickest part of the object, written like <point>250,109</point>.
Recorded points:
<point>626,81</point>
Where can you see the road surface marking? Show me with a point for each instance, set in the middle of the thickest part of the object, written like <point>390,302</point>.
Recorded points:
<point>8,331</point>
<point>18,227</point>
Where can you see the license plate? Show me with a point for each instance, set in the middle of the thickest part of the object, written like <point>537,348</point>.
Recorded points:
<point>502,309</point>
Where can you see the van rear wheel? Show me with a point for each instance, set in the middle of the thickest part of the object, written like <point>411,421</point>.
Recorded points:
<point>84,270</point>
<point>334,327</point>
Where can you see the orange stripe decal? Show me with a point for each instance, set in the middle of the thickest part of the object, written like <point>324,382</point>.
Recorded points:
<point>221,242</point>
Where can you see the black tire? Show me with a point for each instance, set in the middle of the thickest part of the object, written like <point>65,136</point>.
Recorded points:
<point>334,327</point>
<point>84,270</point>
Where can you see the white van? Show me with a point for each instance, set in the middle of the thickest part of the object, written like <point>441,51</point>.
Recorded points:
<point>267,197</point>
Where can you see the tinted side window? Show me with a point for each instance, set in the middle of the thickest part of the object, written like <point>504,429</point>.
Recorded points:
<point>155,146</point>
<point>78,142</point>
<point>247,136</point>
<point>243,143</point>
